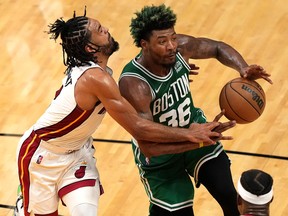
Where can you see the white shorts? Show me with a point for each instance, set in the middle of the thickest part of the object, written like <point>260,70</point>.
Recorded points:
<point>51,175</point>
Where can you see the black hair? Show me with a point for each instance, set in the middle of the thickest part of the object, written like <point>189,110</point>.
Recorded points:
<point>151,18</point>
<point>75,36</point>
<point>256,182</point>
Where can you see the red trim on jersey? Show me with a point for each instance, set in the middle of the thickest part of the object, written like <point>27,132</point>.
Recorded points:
<point>102,111</point>
<point>58,92</point>
<point>26,153</point>
<point>71,187</point>
<point>69,123</point>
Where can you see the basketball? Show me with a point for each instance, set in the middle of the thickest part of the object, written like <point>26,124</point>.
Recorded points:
<point>243,100</point>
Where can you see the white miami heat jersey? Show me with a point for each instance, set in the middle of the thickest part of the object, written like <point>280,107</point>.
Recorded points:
<point>64,124</point>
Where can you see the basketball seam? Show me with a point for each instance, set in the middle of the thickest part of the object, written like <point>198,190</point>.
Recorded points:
<point>231,106</point>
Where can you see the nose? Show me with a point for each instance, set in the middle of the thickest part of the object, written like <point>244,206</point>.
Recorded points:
<point>171,44</point>
<point>106,30</point>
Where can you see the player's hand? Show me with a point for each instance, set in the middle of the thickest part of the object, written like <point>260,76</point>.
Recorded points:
<point>192,71</point>
<point>204,132</point>
<point>253,72</point>
<point>223,126</point>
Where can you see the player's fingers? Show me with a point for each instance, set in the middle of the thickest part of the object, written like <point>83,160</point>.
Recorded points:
<point>193,73</point>
<point>226,138</point>
<point>226,126</point>
<point>211,141</point>
<point>193,67</point>
<point>229,124</point>
<point>219,116</point>
<point>268,79</point>
<point>215,134</point>
<point>212,125</point>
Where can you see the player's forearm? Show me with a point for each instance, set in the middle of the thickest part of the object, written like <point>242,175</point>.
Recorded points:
<point>150,149</point>
<point>230,57</point>
<point>151,131</point>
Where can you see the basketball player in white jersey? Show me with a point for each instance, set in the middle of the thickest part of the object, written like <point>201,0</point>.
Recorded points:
<point>55,156</point>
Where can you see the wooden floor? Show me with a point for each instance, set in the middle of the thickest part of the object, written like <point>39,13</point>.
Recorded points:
<point>32,69</point>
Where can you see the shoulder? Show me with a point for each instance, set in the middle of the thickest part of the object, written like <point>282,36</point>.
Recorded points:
<point>134,83</point>
<point>131,66</point>
<point>95,77</point>
<point>133,71</point>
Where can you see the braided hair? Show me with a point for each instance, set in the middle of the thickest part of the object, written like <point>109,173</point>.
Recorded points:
<point>256,182</point>
<point>151,18</point>
<point>75,36</point>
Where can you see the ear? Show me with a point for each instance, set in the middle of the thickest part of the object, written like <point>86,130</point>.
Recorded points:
<point>143,43</point>
<point>89,49</point>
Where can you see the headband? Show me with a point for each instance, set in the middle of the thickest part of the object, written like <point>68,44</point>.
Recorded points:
<point>252,198</point>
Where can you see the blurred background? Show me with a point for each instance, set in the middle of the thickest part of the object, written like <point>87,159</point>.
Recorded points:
<point>32,69</point>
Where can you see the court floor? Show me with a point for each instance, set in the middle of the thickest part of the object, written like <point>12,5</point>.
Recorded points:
<point>32,69</point>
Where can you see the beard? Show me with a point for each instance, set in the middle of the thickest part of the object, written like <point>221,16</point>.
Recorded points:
<point>169,65</point>
<point>110,48</point>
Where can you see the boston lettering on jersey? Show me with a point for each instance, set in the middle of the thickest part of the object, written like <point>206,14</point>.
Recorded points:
<point>177,90</point>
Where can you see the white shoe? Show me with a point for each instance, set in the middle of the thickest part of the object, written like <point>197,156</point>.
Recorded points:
<point>19,210</point>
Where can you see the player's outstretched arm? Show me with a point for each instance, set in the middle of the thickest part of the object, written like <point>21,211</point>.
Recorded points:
<point>98,85</point>
<point>203,48</point>
<point>138,94</point>
<point>150,149</point>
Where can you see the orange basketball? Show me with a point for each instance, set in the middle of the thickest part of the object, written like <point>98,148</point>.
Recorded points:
<point>243,100</point>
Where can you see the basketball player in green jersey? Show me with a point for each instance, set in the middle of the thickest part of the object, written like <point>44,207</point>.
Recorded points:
<point>156,83</point>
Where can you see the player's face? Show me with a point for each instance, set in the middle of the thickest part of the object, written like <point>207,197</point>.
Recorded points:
<point>162,46</point>
<point>101,37</point>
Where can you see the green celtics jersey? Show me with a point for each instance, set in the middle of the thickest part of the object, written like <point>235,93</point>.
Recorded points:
<point>171,104</point>
<point>166,178</point>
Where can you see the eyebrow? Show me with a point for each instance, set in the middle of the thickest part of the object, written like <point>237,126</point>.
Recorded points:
<point>164,36</point>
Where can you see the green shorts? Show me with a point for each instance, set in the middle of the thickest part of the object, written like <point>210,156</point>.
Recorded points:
<point>166,178</point>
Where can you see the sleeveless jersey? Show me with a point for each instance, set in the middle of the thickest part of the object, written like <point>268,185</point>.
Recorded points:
<point>64,124</point>
<point>171,103</point>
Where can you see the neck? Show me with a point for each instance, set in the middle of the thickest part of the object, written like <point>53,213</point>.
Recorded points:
<point>153,67</point>
<point>102,61</point>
